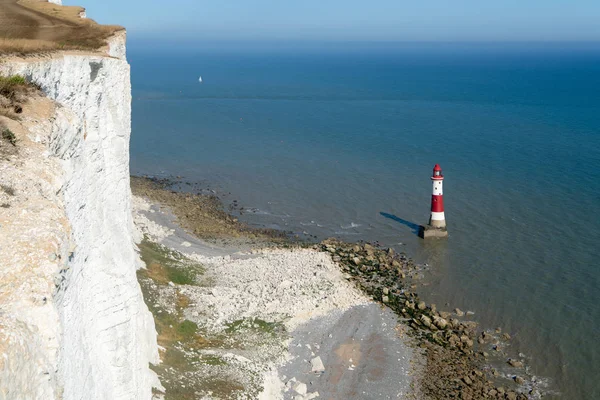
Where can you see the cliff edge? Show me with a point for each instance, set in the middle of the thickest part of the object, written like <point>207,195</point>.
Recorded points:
<point>73,321</point>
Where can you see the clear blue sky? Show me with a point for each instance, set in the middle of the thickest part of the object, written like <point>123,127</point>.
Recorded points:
<point>389,20</point>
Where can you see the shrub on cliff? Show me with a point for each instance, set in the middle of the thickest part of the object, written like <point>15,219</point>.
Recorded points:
<point>11,87</point>
<point>9,136</point>
<point>14,92</point>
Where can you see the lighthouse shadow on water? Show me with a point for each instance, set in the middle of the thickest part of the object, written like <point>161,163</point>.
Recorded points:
<point>413,227</point>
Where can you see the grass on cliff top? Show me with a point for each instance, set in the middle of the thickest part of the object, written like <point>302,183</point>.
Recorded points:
<point>37,26</point>
<point>179,337</point>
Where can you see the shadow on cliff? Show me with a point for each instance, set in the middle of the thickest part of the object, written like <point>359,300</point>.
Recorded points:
<point>413,227</point>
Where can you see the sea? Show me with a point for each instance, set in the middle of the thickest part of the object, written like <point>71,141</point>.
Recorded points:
<point>340,139</point>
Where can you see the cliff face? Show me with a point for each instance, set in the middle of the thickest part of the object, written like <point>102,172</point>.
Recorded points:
<point>107,337</point>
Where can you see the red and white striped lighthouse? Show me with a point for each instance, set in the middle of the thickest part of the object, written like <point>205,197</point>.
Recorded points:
<point>437,218</point>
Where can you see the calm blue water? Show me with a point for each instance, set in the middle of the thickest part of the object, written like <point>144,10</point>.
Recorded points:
<point>333,143</point>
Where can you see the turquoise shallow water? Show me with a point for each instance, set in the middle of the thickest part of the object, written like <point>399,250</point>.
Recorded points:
<point>342,144</point>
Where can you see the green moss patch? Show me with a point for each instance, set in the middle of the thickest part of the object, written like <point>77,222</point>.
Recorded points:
<point>166,266</point>
<point>181,338</point>
<point>255,324</point>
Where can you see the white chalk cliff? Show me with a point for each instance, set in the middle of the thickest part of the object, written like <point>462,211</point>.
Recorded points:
<point>103,337</point>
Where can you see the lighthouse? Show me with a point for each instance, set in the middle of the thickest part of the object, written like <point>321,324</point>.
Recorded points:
<point>437,219</point>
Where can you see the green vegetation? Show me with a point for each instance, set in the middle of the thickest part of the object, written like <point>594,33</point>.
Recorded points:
<point>165,266</point>
<point>187,328</point>
<point>13,80</point>
<point>12,86</point>
<point>213,360</point>
<point>9,136</point>
<point>182,342</point>
<point>15,90</point>
<point>256,325</point>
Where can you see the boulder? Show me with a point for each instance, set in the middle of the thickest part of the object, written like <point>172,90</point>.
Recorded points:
<point>300,388</point>
<point>515,363</point>
<point>421,306</point>
<point>426,320</point>
<point>454,340</point>
<point>317,365</point>
<point>458,312</point>
<point>440,322</point>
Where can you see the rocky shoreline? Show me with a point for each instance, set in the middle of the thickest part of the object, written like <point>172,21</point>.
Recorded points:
<point>454,368</point>
<point>455,350</point>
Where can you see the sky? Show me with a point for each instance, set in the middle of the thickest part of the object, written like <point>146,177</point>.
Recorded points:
<point>353,20</point>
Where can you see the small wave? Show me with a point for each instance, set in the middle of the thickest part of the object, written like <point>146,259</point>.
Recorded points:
<point>351,226</point>
<point>311,223</point>
<point>258,211</point>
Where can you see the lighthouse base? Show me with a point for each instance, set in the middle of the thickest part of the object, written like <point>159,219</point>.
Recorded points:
<point>428,231</point>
